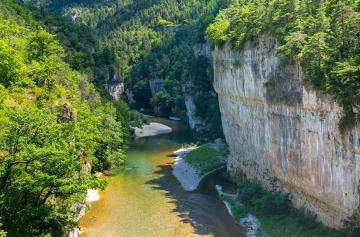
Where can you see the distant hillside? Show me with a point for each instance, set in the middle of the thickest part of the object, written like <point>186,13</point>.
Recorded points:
<point>154,39</point>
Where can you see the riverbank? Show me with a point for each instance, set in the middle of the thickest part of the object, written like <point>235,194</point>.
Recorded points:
<point>249,222</point>
<point>194,163</point>
<point>91,196</point>
<point>264,213</point>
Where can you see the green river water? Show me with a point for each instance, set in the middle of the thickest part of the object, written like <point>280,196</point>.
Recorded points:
<point>146,200</point>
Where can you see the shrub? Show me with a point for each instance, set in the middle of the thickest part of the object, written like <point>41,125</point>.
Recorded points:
<point>248,191</point>
<point>273,203</point>
<point>352,225</point>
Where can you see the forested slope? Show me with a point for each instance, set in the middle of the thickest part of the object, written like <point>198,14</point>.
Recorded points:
<point>154,39</point>
<point>56,130</point>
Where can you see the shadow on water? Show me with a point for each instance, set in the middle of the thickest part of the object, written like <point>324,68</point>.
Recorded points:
<point>146,200</point>
<point>202,208</point>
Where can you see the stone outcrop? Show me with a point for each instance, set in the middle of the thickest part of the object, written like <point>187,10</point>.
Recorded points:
<point>203,49</point>
<point>114,83</point>
<point>66,112</point>
<point>156,84</point>
<point>194,120</point>
<point>280,131</point>
<point>190,92</point>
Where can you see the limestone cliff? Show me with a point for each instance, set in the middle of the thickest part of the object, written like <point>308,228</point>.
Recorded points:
<point>191,93</point>
<point>203,49</point>
<point>156,84</point>
<point>280,130</point>
<point>113,82</point>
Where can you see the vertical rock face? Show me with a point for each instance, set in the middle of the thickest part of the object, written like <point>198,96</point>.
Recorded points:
<point>190,92</point>
<point>203,49</point>
<point>277,129</point>
<point>156,84</point>
<point>114,83</point>
<point>194,120</point>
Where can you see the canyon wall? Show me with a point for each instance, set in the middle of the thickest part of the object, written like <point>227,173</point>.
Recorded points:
<point>113,82</point>
<point>281,131</point>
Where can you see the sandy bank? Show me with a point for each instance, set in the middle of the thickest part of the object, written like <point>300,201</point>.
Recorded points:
<point>152,129</point>
<point>185,173</point>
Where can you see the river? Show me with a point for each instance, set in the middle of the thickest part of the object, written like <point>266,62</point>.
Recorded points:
<point>145,199</point>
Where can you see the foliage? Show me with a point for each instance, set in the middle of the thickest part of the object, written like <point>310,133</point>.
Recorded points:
<point>275,213</point>
<point>166,22</point>
<point>149,39</point>
<point>322,35</point>
<point>164,100</point>
<point>56,130</point>
<point>8,66</point>
<point>274,203</point>
<point>352,224</point>
<point>247,192</point>
<point>40,172</point>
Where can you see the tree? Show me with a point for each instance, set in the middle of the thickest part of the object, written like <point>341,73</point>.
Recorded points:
<point>42,45</point>
<point>41,174</point>
<point>216,31</point>
<point>315,54</point>
<point>163,100</point>
<point>9,66</point>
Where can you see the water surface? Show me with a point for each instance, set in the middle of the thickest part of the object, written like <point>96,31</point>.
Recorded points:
<point>145,199</point>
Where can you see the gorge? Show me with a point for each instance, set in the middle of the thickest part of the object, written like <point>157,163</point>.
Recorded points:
<point>219,118</point>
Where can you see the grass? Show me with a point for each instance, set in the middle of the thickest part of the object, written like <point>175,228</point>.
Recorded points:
<point>277,217</point>
<point>207,157</point>
<point>286,226</point>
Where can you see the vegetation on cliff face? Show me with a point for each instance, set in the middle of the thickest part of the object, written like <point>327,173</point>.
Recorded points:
<point>273,209</point>
<point>56,130</point>
<point>323,35</point>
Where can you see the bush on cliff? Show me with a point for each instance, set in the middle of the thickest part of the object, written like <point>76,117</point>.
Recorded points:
<point>352,225</point>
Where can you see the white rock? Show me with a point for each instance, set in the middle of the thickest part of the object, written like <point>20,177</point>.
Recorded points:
<point>92,195</point>
<point>186,174</point>
<point>152,129</point>
<point>251,224</point>
<point>174,118</point>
